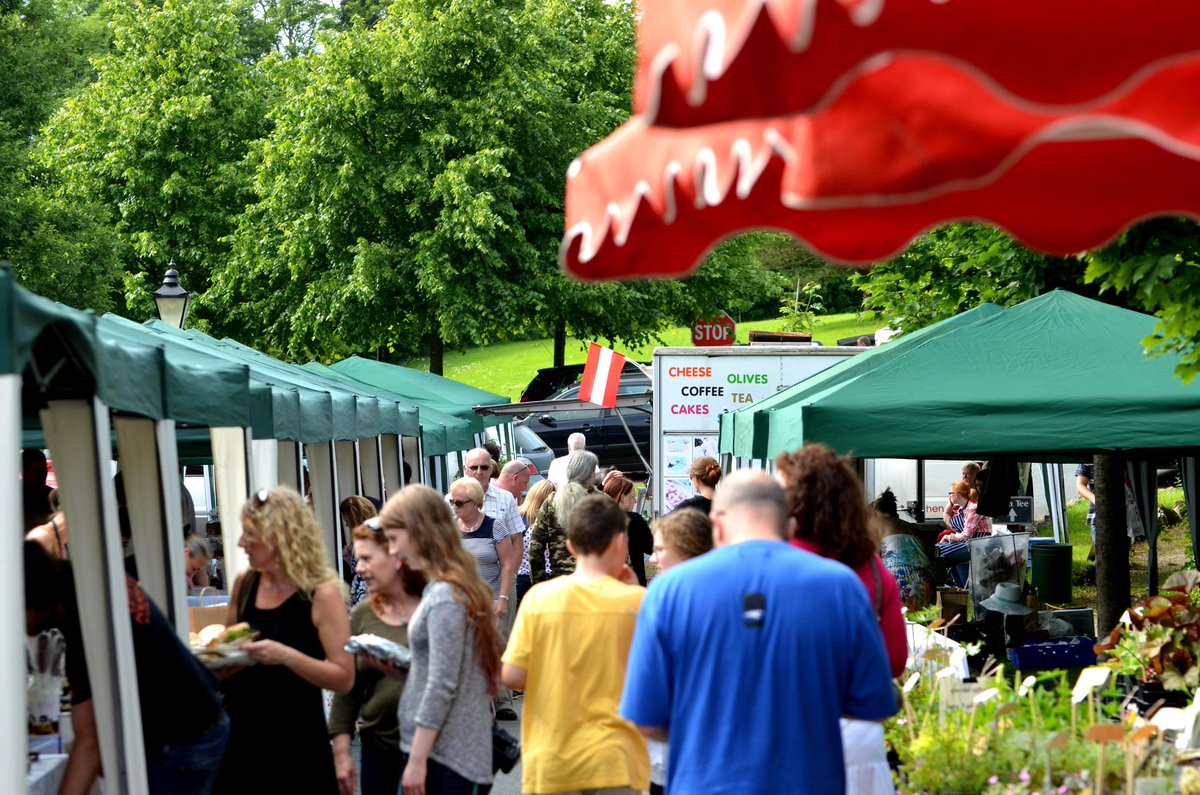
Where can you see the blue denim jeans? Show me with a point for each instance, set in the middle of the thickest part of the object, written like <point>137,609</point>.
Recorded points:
<point>190,768</point>
<point>381,770</point>
<point>441,780</point>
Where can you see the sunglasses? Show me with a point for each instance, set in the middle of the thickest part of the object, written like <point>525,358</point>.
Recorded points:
<point>373,525</point>
<point>478,467</point>
<point>459,503</point>
<point>261,496</point>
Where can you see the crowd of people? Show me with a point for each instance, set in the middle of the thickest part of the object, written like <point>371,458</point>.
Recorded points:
<point>765,647</point>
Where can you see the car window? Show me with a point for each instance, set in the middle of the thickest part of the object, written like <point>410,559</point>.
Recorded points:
<point>572,393</point>
<point>527,440</point>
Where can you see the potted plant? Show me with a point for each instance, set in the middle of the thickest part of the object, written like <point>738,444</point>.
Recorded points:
<point>1158,649</point>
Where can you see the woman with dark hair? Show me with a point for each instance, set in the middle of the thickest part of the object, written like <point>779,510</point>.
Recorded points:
<point>393,593</point>
<point>354,510</point>
<point>827,505</point>
<point>641,541</point>
<point>446,708</point>
<point>706,474</point>
<point>903,554</point>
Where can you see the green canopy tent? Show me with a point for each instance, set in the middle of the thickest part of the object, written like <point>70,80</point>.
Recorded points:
<point>744,433</point>
<point>1059,377</point>
<point>440,432</point>
<point>1056,378</point>
<point>67,379</point>
<point>425,389</point>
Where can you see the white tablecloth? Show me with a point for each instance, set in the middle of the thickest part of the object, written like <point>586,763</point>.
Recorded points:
<point>46,775</point>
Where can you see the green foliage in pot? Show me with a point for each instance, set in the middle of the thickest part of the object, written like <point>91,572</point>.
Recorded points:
<point>1161,642</point>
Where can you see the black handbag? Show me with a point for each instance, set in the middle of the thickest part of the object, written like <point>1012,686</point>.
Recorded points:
<point>506,750</point>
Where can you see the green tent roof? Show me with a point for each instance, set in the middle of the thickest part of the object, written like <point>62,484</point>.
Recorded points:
<point>440,433</point>
<point>66,353</point>
<point>425,389</point>
<point>744,432</point>
<point>1059,377</point>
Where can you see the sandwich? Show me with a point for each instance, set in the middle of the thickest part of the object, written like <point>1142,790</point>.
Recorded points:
<point>235,635</point>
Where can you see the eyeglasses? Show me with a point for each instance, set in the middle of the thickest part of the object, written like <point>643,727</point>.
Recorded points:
<point>478,467</point>
<point>459,503</point>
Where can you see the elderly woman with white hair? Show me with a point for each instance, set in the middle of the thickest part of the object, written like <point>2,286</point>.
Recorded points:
<point>550,526</point>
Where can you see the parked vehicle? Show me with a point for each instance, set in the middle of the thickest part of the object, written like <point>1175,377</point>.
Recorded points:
<point>551,380</point>
<point>532,448</point>
<point>605,435</point>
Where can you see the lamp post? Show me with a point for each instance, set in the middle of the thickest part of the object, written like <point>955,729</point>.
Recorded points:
<point>171,300</point>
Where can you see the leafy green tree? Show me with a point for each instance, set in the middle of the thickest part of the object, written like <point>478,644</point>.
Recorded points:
<point>958,266</point>
<point>798,266</point>
<point>158,139</point>
<point>1156,267</point>
<point>59,247</point>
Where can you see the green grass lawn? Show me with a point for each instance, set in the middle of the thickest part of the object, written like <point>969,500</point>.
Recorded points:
<point>506,368</point>
<point>1174,550</point>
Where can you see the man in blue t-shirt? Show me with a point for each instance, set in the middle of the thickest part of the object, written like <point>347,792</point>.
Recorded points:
<point>746,658</point>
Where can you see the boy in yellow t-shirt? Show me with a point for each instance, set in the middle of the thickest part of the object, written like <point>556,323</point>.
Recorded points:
<point>568,651</point>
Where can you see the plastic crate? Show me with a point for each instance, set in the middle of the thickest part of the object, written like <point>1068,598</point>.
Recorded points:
<point>1073,652</point>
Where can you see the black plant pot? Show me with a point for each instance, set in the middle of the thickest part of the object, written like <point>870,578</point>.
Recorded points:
<point>1147,694</point>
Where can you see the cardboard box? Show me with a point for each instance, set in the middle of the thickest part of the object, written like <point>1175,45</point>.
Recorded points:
<point>953,602</point>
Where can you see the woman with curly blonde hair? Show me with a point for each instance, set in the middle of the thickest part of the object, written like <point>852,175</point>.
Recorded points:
<point>445,710</point>
<point>278,740</point>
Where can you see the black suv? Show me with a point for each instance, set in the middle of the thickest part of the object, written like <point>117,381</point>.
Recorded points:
<point>551,380</point>
<point>605,435</point>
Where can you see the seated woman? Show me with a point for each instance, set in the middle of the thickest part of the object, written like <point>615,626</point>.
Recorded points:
<point>952,546</point>
<point>903,554</point>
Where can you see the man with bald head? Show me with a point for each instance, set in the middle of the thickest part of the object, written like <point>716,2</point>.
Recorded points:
<point>747,657</point>
<point>508,532</point>
<point>514,478</point>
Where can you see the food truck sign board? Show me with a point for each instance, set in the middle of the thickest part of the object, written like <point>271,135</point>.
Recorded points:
<point>694,386</point>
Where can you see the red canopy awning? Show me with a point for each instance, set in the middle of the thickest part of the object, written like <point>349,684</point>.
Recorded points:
<point>702,61</point>
<point>904,147</point>
<point>858,124</point>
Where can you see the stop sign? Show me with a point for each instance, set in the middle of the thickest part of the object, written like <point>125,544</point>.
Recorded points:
<point>715,331</point>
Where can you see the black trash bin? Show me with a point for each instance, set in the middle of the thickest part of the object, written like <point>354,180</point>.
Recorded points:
<point>1052,572</point>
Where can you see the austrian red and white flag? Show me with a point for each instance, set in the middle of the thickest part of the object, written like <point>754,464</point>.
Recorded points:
<point>601,376</point>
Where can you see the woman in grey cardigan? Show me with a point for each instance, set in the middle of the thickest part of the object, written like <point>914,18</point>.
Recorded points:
<point>445,710</point>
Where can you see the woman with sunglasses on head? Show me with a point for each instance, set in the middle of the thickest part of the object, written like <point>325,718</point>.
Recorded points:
<point>484,539</point>
<point>641,541</point>
<point>279,741</point>
<point>393,593</point>
<point>445,710</point>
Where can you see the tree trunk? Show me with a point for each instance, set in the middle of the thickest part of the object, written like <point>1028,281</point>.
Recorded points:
<point>1112,543</point>
<point>437,350</point>
<point>560,344</point>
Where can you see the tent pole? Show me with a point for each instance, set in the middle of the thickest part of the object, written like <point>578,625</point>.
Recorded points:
<point>78,435</point>
<point>323,474</point>
<point>1145,491</point>
<point>919,513</point>
<point>232,467</point>
<point>1112,543</point>
<point>1187,474</point>
<point>12,612</point>
<point>150,470</point>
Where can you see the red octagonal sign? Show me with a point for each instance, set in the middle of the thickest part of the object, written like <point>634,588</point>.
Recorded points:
<point>716,331</point>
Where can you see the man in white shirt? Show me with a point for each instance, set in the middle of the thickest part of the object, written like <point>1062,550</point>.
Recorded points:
<point>502,507</point>
<point>557,474</point>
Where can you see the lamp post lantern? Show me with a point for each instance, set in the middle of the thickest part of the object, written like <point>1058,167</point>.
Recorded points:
<point>171,300</point>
